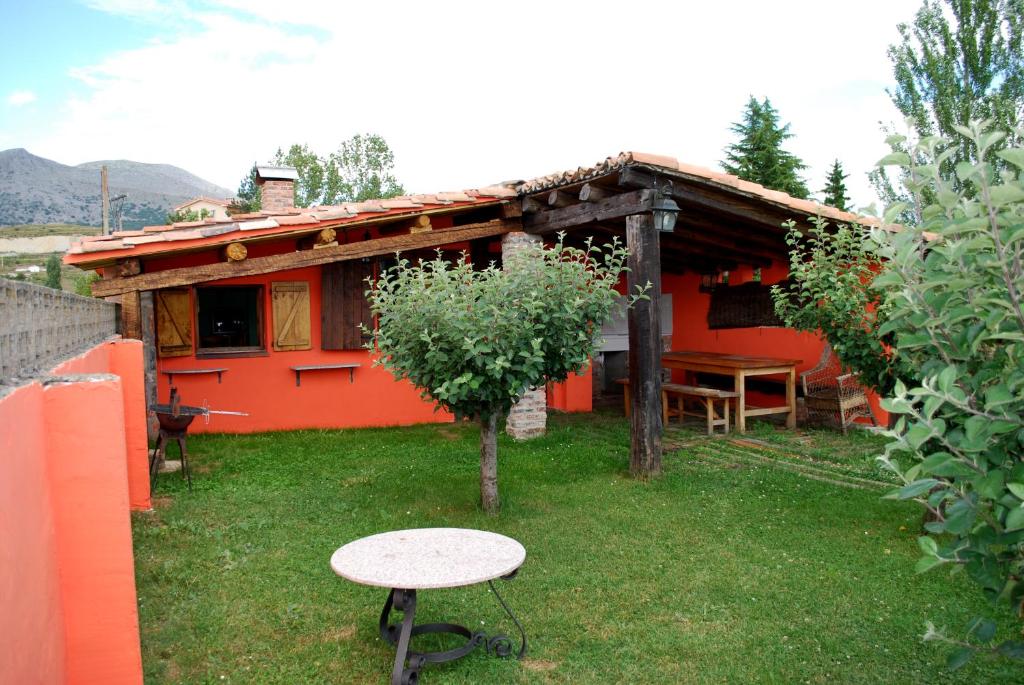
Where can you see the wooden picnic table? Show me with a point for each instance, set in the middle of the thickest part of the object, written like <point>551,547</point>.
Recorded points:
<point>741,367</point>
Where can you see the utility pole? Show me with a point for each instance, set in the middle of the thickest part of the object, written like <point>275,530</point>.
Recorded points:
<point>105,197</point>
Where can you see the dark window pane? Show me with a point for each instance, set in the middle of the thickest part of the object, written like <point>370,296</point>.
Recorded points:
<point>228,316</point>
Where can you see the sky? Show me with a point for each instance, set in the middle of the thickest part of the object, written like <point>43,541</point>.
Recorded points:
<point>465,93</point>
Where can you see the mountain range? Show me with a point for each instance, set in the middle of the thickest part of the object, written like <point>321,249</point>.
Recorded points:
<point>35,190</point>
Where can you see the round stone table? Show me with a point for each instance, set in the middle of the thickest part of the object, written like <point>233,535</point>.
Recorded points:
<point>428,558</point>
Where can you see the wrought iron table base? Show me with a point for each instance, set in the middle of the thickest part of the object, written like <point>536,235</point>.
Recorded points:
<point>400,635</point>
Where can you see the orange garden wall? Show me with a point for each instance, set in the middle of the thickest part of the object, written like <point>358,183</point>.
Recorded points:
<point>68,451</point>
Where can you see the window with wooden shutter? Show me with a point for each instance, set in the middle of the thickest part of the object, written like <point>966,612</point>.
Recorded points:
<point>290,311</point>
<point>344,305</point>
<point>173,323</point>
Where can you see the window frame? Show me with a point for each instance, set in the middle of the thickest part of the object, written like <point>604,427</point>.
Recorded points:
<point>259,350</point>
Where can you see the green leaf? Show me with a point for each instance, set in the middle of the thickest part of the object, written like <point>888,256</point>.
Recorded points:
<point>925,564</point>
<point>984,629</point>
<point>996,396</point>
<point>1014,519</point>
<point>958,657</point>
<point>1006,194</point>
<point>990,485</point>
<point>928,545</point>
<point>1017,489</point>
<point>917,488</point>
<point>1014,156</point>
<point>894,159</point>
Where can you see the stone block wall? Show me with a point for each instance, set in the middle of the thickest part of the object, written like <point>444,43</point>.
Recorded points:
<point>42,326</point>
<point>528,417</point>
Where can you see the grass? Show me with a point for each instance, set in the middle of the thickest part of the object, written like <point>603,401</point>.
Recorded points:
<point>738,565</point>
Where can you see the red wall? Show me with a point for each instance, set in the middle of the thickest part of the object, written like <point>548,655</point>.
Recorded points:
<point>690,332</point>
<point>67,581</point>
<point>264,386</point>
<point>690,329</point>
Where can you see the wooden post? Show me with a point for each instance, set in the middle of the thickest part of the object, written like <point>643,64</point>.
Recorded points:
<point>105,200</point>
<point>131,315</point>
<point>644,347</point>
<point>148,316</point>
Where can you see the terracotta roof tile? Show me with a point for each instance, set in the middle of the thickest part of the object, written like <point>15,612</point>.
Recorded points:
<point>295,219</point>
<point>611,164</point>
<point>400,203</point>
<point>191,234</point>
<point>100,246</point>
<point>219,229</point>
<point>324,213</point>
<point>143,239</point>
<point>257,224</point>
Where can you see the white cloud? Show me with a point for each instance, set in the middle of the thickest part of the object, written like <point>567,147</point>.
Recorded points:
<point>471,93</point>
<point>20,98</point>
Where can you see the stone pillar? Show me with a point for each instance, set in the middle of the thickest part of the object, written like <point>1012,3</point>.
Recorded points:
<point>528,418</point>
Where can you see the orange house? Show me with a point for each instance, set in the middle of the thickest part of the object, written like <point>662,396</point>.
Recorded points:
<point>261,313</point>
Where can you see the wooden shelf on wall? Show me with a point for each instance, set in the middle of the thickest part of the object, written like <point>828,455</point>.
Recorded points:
<point>171,373</point>
<point>324,367</point>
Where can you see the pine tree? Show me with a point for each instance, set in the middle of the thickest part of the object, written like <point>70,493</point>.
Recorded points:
<point>835,188</point>
<point>250,197</point>
<point>759,157</point>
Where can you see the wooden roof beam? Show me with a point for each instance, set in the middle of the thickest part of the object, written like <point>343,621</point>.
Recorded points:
<point>750,209</point>
<point>614,207</point>
<point>171,278</point>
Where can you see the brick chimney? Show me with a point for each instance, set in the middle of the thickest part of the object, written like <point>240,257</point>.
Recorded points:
<point>277,184</point>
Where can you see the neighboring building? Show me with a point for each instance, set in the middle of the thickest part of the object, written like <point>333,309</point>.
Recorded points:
<point>269,304</point>
<point>218,209</point>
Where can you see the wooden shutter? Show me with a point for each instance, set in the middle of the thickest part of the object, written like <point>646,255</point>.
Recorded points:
<point>344,304</point>
<point>173,323</point>
<point>290,312</point>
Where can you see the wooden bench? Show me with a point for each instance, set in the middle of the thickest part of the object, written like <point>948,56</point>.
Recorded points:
<point>707,397</point>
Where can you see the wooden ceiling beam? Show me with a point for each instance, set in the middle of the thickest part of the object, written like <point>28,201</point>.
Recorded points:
<point>685,238</point>
<point>170,278</point>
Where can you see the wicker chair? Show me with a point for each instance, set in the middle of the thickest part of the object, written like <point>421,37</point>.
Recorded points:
<point>833,395</point>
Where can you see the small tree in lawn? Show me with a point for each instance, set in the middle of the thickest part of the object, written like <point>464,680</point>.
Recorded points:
<point>475,340</point>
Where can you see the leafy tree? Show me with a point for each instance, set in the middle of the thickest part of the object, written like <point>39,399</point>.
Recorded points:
<point>954,292</point>
<point>831,270</point>
<point>759,157</point>
<point>188,215</point>
<point>84,281</point>
<point>959,61</point>
<point>53,272</point>
<point>250,196</point>
<point>835,188</point>
<point>309,189</point>
<point>362,169</point>
<point>475,340</point>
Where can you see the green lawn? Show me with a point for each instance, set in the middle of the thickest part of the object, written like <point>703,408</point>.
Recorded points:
<point>769,558</point>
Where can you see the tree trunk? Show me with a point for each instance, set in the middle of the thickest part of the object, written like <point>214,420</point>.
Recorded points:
<point>489,464</point>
